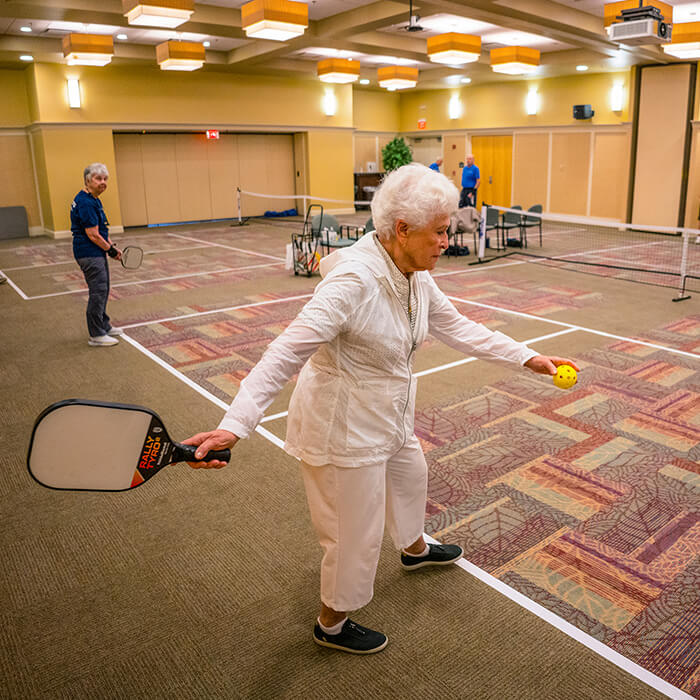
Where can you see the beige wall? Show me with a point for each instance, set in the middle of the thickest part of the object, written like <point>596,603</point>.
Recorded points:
<point>173,97</point>
<point>455,152</point>
<point>692,207</point>
<point>661,136</point>
<point>61,155</point>
<point>330,165</point>
<point>17,183</point>
<point>14,104</point>
<point>499,105</point>
<point>530,169</point>
<point>569,173</point>
<point>375,111</point>
<point>366,150</point>
<point>610,175</point>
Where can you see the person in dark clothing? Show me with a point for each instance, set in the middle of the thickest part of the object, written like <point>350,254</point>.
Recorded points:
<point>91,245</point>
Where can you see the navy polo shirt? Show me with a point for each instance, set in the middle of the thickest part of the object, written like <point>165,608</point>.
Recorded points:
<point>470,174</point>
<point>85,212</point>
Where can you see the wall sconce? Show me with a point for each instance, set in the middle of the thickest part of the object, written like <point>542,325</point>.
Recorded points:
<point>329,103</point>
<point>454,107</point>
<point>617,94</point>
<point>532,101</point>
<point>73,85</point>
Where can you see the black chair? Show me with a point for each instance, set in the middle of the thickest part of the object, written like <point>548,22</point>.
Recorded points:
<point>531,221</point>
<point>510,220</point>
<point>492,222</point>
<point>326,228</point>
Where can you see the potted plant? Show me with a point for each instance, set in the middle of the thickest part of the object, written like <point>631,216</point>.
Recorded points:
<point>395,154</point>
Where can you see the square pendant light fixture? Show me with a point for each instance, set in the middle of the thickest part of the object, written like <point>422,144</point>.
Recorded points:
<point>454,49</point>
<point>397,77</point>
<point>338,70</point>
<point>88,49</point>
<point>515,60</point>
<point>180,55</point>
<point>279,20</point>
<point>685,41</point>
<point>158,13</point>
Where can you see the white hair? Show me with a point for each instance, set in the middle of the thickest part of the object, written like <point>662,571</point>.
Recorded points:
<point>95,169</point>
<point>415,194</point>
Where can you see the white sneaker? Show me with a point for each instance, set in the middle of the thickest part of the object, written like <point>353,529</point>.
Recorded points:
<point>100,340</point>
<point>115,331</point>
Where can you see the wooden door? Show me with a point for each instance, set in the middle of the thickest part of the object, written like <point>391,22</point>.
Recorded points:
<point>493,155</point>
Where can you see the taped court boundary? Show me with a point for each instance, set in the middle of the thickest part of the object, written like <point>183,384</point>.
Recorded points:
<point>559,623</point>
<point>71,261</point>
<point>83,290</point>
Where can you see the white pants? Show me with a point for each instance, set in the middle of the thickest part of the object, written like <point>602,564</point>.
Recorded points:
<point>349,506</point>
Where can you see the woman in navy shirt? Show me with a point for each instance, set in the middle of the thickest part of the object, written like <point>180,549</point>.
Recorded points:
<point>91,245</point>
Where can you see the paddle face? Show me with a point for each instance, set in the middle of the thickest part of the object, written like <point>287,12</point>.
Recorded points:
<point>132,257</point>
<point>83,445</point>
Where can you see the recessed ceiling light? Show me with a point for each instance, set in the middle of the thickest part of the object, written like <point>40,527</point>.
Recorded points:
<point>364,81</point>
<point>206,44</point>
<point>25,29</point>
<point>581,67</point>
<point>26,58</point>
<point>465,80</point>
<point>123,37</point>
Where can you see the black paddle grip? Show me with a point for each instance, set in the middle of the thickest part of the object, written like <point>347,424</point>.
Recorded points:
<point>185,453</point>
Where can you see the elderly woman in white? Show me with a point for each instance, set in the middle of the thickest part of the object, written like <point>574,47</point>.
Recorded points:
<point>351,414</point>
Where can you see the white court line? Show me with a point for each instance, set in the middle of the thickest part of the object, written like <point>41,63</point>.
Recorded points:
<point>578,328</point>
<point>216,311</point>
<point>15,287</point>
<point>562,625</point>
<point>157,279</point>
<point>481,269</point>
<point>457,363</point>
<point>441,368</point>
<point>72,260</point>
<point>570,630</point>
<point>228,247</point>
<point>193,385</point>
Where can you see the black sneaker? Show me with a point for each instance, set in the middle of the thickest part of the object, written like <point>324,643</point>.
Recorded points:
<point>352,638</point>
<point>439,555</point>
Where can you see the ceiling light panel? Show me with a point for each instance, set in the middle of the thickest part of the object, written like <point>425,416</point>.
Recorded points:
<point>158,13</point>
<point>516,38</point>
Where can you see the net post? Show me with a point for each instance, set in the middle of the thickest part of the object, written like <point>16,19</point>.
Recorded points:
<point>482,233</point>
<point>240,221</point>
<point>682,296</point>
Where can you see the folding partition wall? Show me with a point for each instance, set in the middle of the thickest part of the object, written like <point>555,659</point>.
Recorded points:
<point>167,178</point>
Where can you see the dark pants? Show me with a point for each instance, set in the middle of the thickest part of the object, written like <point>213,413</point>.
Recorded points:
<point>96,272</point>
<point>468,197</point>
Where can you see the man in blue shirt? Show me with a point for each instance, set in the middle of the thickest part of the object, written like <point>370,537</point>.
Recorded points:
<point>436,165</point>
<point>471,178</point>
<point>91,245</point>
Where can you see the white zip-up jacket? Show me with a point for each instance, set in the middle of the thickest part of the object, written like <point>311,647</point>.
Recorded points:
<point>354,401</point>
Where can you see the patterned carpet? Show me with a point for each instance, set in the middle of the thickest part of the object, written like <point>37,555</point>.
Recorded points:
<point>585,501</point>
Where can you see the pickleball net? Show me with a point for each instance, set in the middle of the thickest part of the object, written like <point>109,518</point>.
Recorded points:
<point>664,256</point>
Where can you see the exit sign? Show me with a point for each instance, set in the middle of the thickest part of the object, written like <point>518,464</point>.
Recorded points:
<point>212,133</point>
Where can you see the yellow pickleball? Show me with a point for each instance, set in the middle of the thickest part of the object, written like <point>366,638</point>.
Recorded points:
<point>565,377</point>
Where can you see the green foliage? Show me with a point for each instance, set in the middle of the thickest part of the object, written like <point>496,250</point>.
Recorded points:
<point>395,154</point>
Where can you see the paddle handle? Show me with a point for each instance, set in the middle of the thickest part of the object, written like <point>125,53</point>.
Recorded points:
<point>185,453</point>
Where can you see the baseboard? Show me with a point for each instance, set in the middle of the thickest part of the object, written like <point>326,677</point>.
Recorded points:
<point>116,229</point>
<point>37,231</point>
<point>57,234</point>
